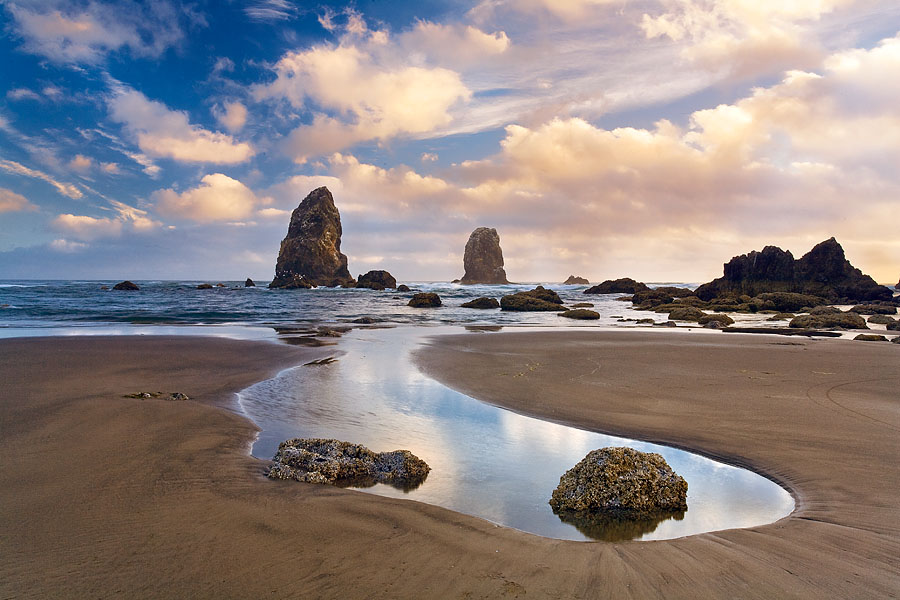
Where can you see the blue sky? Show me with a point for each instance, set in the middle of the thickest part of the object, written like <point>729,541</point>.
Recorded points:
<point>606,138</point>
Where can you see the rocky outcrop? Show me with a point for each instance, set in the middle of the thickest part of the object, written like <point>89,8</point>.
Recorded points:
<point>722,320</point>
<point>249,283</point>
<point>482,303</point>
<point>687,313</point>
<point>573,280</point>
<point>581,313</point>
<point>874,309</point>
<point>425,300</point>
<point>841,320</point>
<point>126,286</point>
<point>310,254</point>
<point>333,461</point>
<point>483,259</point>
<point>205,286</point>
<point>403,288</point>
<point>625,285</point>
<point>623,481</point>
<point>824,271</point>
<point>538,299</point>
<point>870,337</point>
<point>376,280</point>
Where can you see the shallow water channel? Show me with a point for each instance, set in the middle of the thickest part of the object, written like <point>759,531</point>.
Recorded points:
<point>486,461</point>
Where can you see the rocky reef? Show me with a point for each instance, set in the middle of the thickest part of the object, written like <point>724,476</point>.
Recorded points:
<point>625,285</point>
<point>249,283</point>
<point>538,299</point>
<point>425,300</point>
<point>376,280</point>
<point>316,460</point>
<point>126,286</point>
<point>482,303</point>
<point>483,259</point>
<point>574,280</point>
<point>310,254</point>
<point>824,271</point>
<point>621,481</point>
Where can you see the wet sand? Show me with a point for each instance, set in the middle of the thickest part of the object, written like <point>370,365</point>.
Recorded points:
<point>105,496</point>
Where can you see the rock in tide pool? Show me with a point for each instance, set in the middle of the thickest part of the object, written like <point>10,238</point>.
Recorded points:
<point>425,300</point>
<point>310,254</point>
<point>574,280</point>
<point>126,286</point>
<point>482,303</point>
<point>625,285</point>
<point>376,280</point>
<point>315,460</point>
<point>483,258</point>
<point>622,481</point>
<point>581,313</point>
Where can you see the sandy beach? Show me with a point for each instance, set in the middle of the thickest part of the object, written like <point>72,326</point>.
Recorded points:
<point>104,496</point>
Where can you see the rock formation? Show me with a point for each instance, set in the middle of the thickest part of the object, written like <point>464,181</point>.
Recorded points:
<point>425,300</point>
<point>623,481</point>
<point>625,285</point>
<point>841,320</point>
<point>823,271</point>
<point>376,280</point>
<point>573,280</point>
<point>333,461</point>
<point>483,260</point>
<point>581,314</point>
<point>870,337</point>
<point>538,299</point>
<point>205,286</point>
<point>249,283</point>
<point>483,303</point>
<point>403,288</point>
<point>310,254</point>
<point>126,286</point>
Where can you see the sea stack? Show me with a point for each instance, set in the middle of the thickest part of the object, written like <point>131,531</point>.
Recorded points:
<point>483,260</point>
<point>310,254</point>
<point>824,271</point>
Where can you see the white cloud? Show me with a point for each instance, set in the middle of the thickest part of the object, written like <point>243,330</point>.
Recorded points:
<point>10,201</point>
<point>66,189</point>
<point>109,167</point>
<point>86,228</point>
<point>264,11</point>
<point>429,157</point>
<point>66,246</point>
<point>233,116</point>
<point>85,32</point>
<point>219,198</point>
<point>81,163</point>
<point>566,10</point>
<point>161,132</point>
<point>451,45</point>
<point>22,94</point>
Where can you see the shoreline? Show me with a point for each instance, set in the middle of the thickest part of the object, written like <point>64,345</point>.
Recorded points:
<point>198,505</point>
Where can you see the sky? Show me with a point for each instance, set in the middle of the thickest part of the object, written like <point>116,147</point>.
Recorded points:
<point>652,139</point>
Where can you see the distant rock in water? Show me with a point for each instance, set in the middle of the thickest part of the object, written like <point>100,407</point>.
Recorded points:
<point>403,288</point>
<point>538,299</point>
<point>623,481</point>
<point>126,286</point>
<point>333,461</point>
<point>310,254</point>
<point>425,300</point>
<point>482,303</point>
<point>205,286</point>
<point>573,280</point>
<point>625,285</point>
<point>249,283</point>
<point>483,260</point>
<point>824,271</point>
<point>376,280</point>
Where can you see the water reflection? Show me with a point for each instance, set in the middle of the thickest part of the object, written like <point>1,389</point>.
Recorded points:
<point>485,461</point>
<point>612,527</point>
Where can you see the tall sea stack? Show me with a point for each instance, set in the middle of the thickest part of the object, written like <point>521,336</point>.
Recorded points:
<point>483,259</point>
<point>310,254</point>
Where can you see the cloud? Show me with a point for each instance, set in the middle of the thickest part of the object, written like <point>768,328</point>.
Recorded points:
<point>566,10</point>
<point>429,157</point>
<point>233,116</point>
<point>266,11</point>
<point>452,44</point>
<point>161,132</point>
<point>66,189</point>
<point>358,93</point>
<point>66,246</point>
<point>86,228</point>
<point>81,163</point>
<point>10,201</point>
<point>86,32</point>
<point>219,198</point>
<point>22,94</point>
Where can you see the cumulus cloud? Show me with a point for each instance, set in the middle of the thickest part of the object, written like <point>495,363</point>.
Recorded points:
<point>66,189</point>
<point>81,163</point>
<point>86,32</point>
<point>360,91</point>
<point>452,44</point>
<point>218,198</point>
<point>232,116</point>
<point>162,132</point>
<point>10,201</point>
<point>86,228</point>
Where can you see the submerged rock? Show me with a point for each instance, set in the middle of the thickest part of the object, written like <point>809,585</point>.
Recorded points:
<point>625,285</point>
<point>583,305</point>
<point>622,481</point>
<point>205,286</point>
<point>482,303</point>
<point>126,286</point>
<point>376,280</point>
<point>823,271</point>
<point>316,460</point>
<point>573,280</point>
<point>425,300</point>
<point>483,258</point>
<point>581,313</point>
<point>310,254</point>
